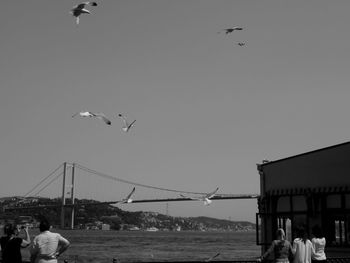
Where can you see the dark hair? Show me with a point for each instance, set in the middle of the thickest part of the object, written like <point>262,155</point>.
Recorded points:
<point>301,233</point>
<point>317,231</point>
<point>9,229</point>
<point>44,225</point>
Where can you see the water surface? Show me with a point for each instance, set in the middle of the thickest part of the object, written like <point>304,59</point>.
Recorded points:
<point>139,246</point>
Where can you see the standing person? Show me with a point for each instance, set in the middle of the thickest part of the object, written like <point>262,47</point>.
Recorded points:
<point>47,246</point>
<point>11,244</point>
<point>302,247</point>
<point>281,248</point>
<point>318,244</point>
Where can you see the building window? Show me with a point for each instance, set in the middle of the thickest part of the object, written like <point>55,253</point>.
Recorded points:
<point>334,201</point>
<point>283,204</point>
<point>299,203</point>
<point>339,232</point>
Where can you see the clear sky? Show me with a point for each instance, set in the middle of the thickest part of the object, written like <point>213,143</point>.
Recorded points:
<point>207,110</point>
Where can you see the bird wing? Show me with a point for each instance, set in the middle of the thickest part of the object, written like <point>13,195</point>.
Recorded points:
<point>131,193</point>
<point>131,124</point>
<point>126,199</point>
<point>85,114</point>
<point>211,195</point>
<point>104,118</point>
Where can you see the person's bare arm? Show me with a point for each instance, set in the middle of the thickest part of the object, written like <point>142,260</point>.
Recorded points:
<point>26,240</point>
<point>63,246</point>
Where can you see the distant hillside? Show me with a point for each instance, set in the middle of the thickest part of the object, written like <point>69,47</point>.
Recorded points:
<point>214,223</point>
<point>96,214</point>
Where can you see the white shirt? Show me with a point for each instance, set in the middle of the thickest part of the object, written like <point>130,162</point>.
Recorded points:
<point>319,245</point>
<point>45,246</point>
<point>303,251</point>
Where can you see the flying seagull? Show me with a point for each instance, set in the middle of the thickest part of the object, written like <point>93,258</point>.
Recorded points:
<point>205,198</point>
<point>241,44</point>
<point>231,29</point>
<point>211,258</point>
<point>128,200</point>
<point>126,127</point>
<point>100,116</point>
<point>80,9</point>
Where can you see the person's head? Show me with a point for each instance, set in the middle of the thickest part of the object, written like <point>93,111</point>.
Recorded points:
<point>301,233</point>
<point>9,229</point>
<point>317,231</point>
<point>280,234</point>
<point>44,225</point>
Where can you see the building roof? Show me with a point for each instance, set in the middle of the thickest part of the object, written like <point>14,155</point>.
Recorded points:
<point>306,153</point>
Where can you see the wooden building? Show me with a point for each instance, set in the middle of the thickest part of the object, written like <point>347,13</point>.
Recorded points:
<point>308,189</point>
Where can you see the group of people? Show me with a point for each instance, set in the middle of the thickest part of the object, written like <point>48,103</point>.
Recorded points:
<point>45,248</point>
<point>303,250</point>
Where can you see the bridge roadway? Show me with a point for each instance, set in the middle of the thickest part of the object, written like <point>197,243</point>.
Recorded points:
<point>218,197</point>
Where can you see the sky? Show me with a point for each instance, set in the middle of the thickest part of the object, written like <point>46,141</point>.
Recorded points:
<point>207,110</point>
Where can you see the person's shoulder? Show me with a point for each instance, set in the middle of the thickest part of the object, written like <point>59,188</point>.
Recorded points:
<point>296,240</point>
<point>42,235</point>
<point>54,234</point>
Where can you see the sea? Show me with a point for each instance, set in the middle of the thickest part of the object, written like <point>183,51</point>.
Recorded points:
<point>100,246</point>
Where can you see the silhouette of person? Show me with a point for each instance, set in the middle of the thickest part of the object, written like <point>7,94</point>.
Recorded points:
<point>11,243</point>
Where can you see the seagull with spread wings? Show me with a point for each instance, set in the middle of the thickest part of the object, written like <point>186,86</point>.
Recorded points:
<point>205,198</point>
<point>100,116</point>
<point>127,126</point>
<point>128,200</point>
<point>231,29</point>
<point>80,9</point>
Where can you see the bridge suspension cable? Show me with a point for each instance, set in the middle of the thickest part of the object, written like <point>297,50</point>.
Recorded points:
<point>52,180</point>
<point>43,180</point>
<point>132,183</point>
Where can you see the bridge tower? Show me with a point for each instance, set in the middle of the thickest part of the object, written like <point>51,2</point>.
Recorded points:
<point>71,188</point>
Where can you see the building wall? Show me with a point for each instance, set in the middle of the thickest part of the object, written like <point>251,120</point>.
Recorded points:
<point>323,168</point>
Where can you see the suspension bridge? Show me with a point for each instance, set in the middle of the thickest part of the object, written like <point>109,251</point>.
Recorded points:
<point>68,200</point>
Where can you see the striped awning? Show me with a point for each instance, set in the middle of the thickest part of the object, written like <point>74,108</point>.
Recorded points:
<point>308,190</point>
